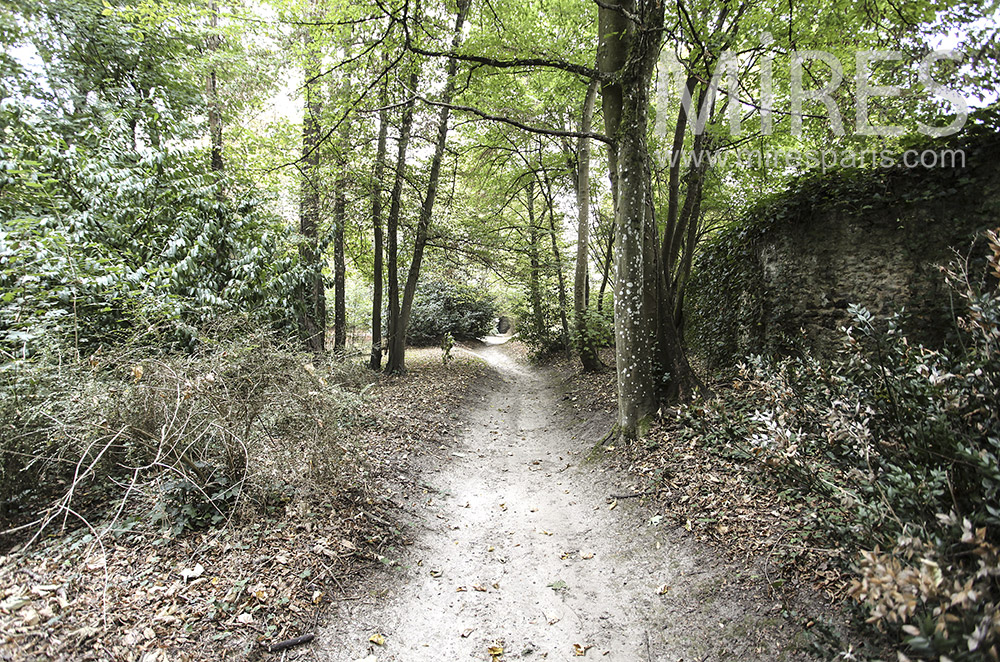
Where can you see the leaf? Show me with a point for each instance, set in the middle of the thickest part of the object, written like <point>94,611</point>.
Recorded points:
<point>495,651</point>
<point>557,585</point>
<point>136,373</point>
<point>580,651</point>
<point>378,639</point>
<point>662,590</point>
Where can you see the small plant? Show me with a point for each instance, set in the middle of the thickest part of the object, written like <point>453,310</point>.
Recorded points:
<point>447,343</point>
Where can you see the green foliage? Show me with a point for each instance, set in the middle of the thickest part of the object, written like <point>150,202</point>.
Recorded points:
<point>898,447</point>
<point>97,240</point>
<point>443,307</point>
<point>183,505</point>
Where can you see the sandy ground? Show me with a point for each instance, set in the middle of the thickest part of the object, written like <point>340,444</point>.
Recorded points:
<point>517,547</point>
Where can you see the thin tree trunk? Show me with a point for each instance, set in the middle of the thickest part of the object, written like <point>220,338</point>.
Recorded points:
<point>339,266</point>
<point>534,276</point>
<point>340,220</point>
<point>396,362</point>
<point>561,278</point>
<point>588,348</point>
<point>392,224</point>
<point>606,272</point>
<point>212,91</point>
<point>375,362</point>
<point>312,317</point>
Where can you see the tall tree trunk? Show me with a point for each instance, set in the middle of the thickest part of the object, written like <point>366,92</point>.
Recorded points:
<point>340,220</point>
<point>312,300</point>
<point>375,362</point>
<point>627,54</point>
<point>392,224</point>
<point>396,362</point>
<point>339,267</point>
<point>588,348</point>
<point>606,271</point>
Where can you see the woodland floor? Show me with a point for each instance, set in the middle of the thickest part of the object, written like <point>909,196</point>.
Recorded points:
<point>519,547</point>
<point>489,530</point>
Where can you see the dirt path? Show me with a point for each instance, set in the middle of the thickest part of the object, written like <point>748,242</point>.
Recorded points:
<point>516,546</point>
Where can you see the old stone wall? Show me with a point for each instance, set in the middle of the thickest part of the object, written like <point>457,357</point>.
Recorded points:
<point>783,279</point>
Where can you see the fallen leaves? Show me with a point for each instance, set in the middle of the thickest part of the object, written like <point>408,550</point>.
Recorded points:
<point>580,651</point>
<point>377,639</point>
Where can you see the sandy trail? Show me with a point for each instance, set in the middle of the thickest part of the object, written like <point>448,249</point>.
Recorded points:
<point>515,546</point>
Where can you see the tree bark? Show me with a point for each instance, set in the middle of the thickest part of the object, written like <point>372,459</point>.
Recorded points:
<point>606,271</point>
<point>392,223</point>
<point>212,91</point>
<point>375,362</point>
<point>396,362</point>
<point>588,348</point>
<point>560,277</point>
<point>534,276</point>
<point>339,266</point>
<point>312,300</point>
<point>340,220</point>
<point>627,55</point>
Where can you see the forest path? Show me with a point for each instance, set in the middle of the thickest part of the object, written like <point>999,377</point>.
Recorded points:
<point>515,546</point>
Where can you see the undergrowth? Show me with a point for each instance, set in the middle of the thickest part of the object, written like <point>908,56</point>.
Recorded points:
<point>192,439</point>
<point>897,447</point>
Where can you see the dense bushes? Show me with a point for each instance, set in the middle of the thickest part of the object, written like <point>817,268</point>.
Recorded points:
<point>441,307</point>
<point>899,444</point>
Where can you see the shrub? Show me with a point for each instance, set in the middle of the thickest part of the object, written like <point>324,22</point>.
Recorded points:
<point>198,436</point>
<point>441,307</point>
<point>900,445</point>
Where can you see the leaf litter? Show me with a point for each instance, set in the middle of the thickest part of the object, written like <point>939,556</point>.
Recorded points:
<point>133,593</point>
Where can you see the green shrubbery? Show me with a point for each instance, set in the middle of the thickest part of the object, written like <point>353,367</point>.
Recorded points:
<point>900,446</point>
<point>441,307</point>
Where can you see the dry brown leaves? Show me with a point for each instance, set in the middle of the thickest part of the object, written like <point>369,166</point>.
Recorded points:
<point>225,594</point>
<point>722,501</point>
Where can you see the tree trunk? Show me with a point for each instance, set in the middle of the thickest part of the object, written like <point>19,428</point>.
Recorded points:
<point>606,271</point>
<point>534,276</point>
<point>628,55</point>
<point>392,224</point>
<point>560,277</point>
<point>312,301</point>
<point>339,266</point>
<point>375,362</point>
<point>340,220</point>
<point>211,89</point>
<point>588,349</point>
<point>396,362</point>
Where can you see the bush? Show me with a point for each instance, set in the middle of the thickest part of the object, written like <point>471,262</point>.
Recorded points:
<point>899,446</point>
<point>441,307</point>
<point>198,436</point>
